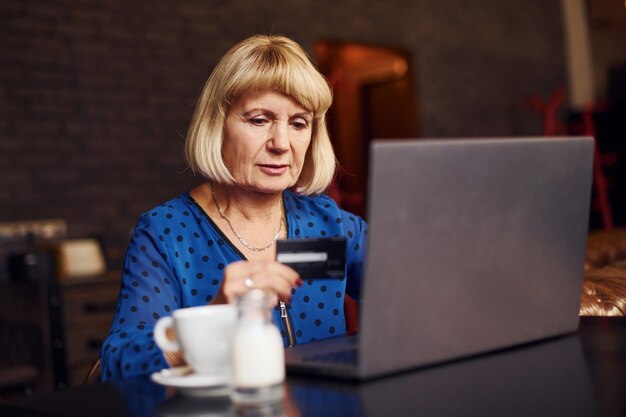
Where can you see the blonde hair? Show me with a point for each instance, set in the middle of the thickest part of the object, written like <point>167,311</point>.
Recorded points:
<point>262,63</point>
<point>604,293</point>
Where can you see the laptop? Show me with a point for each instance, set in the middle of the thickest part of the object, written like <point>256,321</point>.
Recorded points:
<point>474,245</point>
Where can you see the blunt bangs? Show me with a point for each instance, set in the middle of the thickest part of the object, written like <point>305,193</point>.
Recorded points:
<point>280,67</point>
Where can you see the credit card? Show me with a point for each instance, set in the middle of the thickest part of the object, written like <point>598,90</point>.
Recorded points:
<point>314,258</point>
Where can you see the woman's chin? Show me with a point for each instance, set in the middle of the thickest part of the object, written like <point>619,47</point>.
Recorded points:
<point>271,186</point>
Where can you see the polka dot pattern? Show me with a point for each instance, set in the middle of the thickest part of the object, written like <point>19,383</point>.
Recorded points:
<point>176,259</point>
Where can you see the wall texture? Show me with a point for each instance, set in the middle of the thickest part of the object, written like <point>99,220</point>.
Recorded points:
<point>95,96</point>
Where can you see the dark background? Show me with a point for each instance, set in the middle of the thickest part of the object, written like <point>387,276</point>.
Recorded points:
<point>96,96</point>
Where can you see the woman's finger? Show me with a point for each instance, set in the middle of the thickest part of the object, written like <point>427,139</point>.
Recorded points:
<point>240,277</point>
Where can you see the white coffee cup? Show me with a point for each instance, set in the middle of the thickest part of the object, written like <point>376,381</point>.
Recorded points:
<point>203,334</point>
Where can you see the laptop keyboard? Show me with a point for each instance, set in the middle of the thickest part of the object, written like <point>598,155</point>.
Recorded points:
<point>341,356</point>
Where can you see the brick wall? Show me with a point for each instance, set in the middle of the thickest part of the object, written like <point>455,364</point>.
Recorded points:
<point>96,96</point>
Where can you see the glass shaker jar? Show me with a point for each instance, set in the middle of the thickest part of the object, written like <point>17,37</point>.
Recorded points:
<point>258,353</point>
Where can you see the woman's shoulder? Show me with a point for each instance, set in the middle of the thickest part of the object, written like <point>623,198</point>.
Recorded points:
<point>172,211</point>
<point>179,205</point>
<point>316,201</point>
<point>307,206</point>
<point>318,205</point>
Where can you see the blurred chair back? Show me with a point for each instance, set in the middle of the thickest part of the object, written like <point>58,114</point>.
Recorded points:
<point>21,357</point>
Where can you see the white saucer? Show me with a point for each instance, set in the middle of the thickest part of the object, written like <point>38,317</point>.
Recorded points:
<point>193,385</point>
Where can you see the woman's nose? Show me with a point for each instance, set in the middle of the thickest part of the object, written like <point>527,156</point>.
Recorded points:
<point>279,140</point>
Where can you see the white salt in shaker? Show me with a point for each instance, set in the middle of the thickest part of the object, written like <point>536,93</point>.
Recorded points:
<point>258,353</point>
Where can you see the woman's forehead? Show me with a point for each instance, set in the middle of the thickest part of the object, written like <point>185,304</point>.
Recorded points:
<point>308,95</point>
<point>267,99</point>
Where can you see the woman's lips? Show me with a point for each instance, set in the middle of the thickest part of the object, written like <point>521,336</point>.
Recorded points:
<point>273,169</point>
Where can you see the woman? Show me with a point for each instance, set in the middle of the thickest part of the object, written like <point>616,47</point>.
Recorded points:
<point>258,137</point>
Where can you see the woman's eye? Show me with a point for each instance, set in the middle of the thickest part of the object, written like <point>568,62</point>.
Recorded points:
<point>258,121</point>
<point>300,124</point>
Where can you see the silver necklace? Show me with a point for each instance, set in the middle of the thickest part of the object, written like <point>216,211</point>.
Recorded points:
<point>237,235</point>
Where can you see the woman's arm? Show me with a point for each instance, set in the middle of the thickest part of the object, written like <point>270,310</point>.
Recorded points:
<point>149,290</point>
<point>356,241</point>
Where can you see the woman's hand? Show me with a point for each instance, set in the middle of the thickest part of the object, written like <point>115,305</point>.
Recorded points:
<point>174,359</point>
<point>242,276</point>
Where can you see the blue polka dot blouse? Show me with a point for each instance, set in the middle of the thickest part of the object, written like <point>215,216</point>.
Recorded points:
<point>176,258</point>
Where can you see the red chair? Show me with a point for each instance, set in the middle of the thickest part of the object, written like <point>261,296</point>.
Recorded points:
<point>552,126</point>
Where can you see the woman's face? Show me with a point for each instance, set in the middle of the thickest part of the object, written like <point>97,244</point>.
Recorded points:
<point>266,138</point>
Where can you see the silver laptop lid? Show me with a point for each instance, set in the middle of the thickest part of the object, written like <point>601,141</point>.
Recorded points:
<point>486,239</point>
